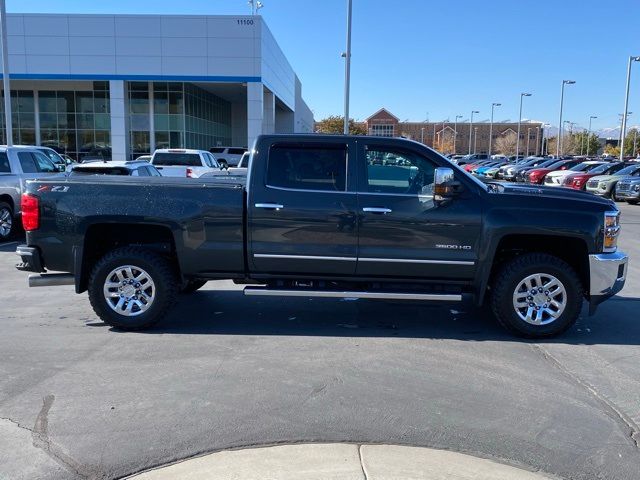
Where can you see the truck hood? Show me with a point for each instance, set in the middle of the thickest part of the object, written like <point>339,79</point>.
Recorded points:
<point>551,192</point>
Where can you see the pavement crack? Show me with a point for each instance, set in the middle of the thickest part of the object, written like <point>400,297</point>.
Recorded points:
<point>626,424</point>
<point>17,424</point>
<point>364,470</point>
<point>41,440</point>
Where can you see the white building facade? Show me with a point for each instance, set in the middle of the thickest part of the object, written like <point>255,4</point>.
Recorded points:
<point>119,86</point>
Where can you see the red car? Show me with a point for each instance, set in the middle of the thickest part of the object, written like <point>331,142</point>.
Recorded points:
<point>578,181</point>
<point>537,174</point>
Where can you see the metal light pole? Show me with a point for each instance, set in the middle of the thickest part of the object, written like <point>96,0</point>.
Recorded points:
<point>528,136</point>
<point>626,105</point>
<point>622,122</point>
<point>544,127</point>
<point>5,75</point>
<point>519,122</point>
<point>471,128</point>
<point>537,140</point>
<point>559,142</point>
<point>589,132</point>
<point>347,70</point>
<point>475,139</point>
<point>455,133</point>
<point>635,137</point>
<point>493,105</point>
<point>422,135</point>
<point>433,140</point>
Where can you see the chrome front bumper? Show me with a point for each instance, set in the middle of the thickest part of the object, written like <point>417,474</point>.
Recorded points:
<point>607,274</point>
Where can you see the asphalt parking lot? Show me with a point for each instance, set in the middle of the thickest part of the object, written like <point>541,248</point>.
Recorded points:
<point>79,400</point>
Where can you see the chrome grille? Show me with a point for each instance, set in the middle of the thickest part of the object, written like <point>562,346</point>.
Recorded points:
<point>624,186</point>
<point>592,183</point>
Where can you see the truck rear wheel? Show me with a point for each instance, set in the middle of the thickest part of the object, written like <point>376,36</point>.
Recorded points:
<point>537,295</point>
<point>132,288</point>
<point>7,224</point>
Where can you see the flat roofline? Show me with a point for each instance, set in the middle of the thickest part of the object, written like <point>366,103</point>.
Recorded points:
<point>182,15</point>
<point>146,78</point>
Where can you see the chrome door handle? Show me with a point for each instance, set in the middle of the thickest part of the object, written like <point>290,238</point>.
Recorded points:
<point>377,210</point>
<point>269,206</point>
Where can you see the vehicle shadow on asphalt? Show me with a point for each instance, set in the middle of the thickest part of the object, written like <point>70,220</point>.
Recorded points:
<point>11,245</point>
<point>228,312</point>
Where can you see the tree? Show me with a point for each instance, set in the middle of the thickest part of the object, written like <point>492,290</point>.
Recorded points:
<point>633,137</point>
<point>335,124</point>
<point>506,144</point>
<point>611,150</point>
<point>583,140</point>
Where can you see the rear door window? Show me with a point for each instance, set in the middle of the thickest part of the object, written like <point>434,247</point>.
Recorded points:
<point>236,151</point>
<point>216,150</point>
<point>4,163</point>
<point>308,167</point>
<point>177,159</point>
<point>27,163</point>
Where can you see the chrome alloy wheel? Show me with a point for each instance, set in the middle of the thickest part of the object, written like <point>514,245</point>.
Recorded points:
<point>129,290</point>
<point>540,299</point>
<point>6,222</point>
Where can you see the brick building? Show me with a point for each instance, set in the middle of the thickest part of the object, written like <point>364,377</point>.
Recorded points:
<point>441,135</point>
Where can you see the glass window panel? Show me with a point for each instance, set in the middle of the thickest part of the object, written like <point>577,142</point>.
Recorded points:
<point>139,102</point>
<point>162,139</point>
<point>308,168</point>
<point>392,171</point>
<point>85,120</point>
<point>176,122</point>
<point>27,163</point>
<point>175,140</point>
<point>66,102</point>
<point>100,102</point>
<point>161,103</point>
<point>101,85</point>
<point>27,120</point>
<point>139,86</point>
<point>161,122</point>
<point>47,101</point>
<point>159,86</point>
<point>25,101</point>
<point>64,120</point>
<point>175,86</point>
<point>176,102</point>
<point>102,121</point>
<point>139,122</point>
<point>48,120</point>
<point>4,163</point>
<point>140,142</point>
<point>43,164</point>
<point>27,136</point>
<point>67,141</point>
<point>84,102</point>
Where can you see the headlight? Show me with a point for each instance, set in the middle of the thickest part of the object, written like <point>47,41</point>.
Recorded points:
<point>636,188</point>
<point>611,231</point>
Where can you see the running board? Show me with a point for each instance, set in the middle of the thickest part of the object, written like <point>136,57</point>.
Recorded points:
<point>268,292</point>
<point>51,279</point>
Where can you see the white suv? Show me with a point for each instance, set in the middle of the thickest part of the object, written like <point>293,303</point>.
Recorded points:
<point>180,162</point>
<point>229,156</point>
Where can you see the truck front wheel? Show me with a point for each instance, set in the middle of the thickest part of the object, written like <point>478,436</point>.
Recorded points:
<point>537,295</point>
<point>132,288</point>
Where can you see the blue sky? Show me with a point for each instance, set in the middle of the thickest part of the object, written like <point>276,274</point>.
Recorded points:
<point>432,59</point>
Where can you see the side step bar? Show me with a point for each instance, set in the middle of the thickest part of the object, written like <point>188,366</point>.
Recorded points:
<point>51,279</point>
<point>267,292</point>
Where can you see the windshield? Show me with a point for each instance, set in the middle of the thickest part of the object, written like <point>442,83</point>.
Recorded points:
<point>583,167</point>
<point>629,170</point>
<point>597,169</point>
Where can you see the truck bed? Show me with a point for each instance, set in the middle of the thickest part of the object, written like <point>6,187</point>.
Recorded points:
<point>203,218</point>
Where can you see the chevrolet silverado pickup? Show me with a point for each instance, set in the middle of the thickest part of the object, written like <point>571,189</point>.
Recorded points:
<point>327,216</point>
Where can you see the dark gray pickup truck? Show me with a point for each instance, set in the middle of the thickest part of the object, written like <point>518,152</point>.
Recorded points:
<point>327,216</point>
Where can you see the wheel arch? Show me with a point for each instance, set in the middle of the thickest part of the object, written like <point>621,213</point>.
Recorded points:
<point>100,238</point>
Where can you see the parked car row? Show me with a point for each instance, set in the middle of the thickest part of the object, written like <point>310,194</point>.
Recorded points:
<point>605,177</point>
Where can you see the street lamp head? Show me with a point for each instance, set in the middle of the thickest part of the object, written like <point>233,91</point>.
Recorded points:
<point>525,94</point>
<point>496,104</point>
<point>475,111</point>
<point>635,59</point>
<point>593,116</point>
<point>458,116</point>
<point>568,82</point>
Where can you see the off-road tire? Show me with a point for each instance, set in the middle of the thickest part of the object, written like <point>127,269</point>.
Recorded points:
<point>192,285</point>
<point>160,271</point>
<point>513,272</point>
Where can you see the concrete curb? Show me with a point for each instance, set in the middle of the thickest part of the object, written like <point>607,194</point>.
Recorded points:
<point>338,461</point>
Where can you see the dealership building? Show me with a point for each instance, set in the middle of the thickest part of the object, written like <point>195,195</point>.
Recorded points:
<point>120,86</point>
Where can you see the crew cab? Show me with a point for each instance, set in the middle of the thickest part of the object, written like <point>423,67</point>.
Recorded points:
<point>317,216</point>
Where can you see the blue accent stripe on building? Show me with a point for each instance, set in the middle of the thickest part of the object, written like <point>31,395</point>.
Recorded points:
<point>143,78</point>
